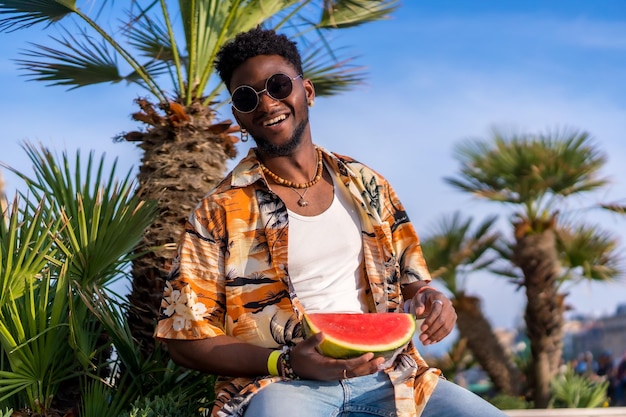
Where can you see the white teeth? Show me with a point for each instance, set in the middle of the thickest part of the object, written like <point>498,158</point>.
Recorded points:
<point>275,120</point>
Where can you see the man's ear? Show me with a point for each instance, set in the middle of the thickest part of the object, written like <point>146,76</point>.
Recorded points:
<point>309,89</point>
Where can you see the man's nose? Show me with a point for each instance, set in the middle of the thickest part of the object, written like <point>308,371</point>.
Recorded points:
<point>265,100</point>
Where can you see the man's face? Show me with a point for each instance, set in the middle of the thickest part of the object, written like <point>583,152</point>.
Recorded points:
<point>277,126</point>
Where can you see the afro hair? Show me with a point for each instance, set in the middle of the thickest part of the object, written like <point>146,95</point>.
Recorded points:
<point>249,44</point>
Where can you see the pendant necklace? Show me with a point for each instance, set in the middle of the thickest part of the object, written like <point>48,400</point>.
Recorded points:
<point>301,202</point>
<point>295,186</point>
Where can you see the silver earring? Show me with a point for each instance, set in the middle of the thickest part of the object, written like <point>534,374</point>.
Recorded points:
<point>244,135</point>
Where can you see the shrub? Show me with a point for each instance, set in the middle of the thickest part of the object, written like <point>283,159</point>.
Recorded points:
<point>571,390</point>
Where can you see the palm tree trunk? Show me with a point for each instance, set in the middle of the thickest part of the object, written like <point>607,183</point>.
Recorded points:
<point>485,347</point>
<point>184,157</point>
<point>536,254</point>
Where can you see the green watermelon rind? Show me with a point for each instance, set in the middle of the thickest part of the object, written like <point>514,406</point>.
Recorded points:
<point>334,348</point>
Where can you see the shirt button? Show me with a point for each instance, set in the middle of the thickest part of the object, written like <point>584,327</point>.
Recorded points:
<point>281,266</point>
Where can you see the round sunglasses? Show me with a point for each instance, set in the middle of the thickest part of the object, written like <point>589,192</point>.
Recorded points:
<point>245,99</point>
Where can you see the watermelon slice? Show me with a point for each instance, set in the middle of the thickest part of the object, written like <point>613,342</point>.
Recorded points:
<point>347,335</point>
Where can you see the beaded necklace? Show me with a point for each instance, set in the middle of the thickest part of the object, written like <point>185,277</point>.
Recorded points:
<point>287,183</point>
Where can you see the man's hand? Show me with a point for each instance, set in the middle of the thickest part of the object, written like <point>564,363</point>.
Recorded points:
<point>308,363</point>
<point>438,313</point>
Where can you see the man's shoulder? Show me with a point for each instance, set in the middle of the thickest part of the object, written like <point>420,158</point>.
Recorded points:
<point>245,173</point>
<point>346,159</point>
<point>224,189</point>
<point>357,166</point>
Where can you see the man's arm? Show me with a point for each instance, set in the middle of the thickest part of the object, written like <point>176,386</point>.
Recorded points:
<point>226,355</point>
<point>220,355</point>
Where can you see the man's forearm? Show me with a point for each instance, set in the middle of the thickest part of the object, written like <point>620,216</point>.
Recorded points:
<point>221,355</point>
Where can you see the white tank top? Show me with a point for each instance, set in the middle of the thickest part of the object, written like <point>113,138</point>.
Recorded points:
<point>326,257</point>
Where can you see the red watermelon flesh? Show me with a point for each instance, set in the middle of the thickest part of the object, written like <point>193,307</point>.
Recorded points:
<point>347,335</point>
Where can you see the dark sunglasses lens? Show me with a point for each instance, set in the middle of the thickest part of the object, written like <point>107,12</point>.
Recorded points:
<point>279,86</point>
<point>244,99</point>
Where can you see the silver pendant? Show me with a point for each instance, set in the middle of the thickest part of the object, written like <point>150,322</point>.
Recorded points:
<point>302,202</point>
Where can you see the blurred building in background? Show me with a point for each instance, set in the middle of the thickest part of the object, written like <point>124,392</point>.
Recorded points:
<point>596,335</point>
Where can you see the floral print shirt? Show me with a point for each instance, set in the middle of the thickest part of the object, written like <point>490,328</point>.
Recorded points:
<point>231,276</point>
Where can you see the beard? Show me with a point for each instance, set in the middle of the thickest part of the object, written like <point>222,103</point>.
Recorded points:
<point>286,149</point>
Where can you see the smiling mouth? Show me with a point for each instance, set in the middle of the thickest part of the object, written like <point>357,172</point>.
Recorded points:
<point>274,121</point>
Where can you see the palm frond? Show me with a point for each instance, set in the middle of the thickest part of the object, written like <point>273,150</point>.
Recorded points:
<point>571,390</point>
<point>349,13</point>
<point>108,312</point>
<point>154,67</point>
<point>34,334</point>
<point>451,249</point>
<point>81,63</point>
<point>329,76</point>
<point>26,13</point>
<point>615,207</point>
<point>139,371</point>
<point>26,248</point>
<point>576,164</point>
<point>152,40</point>
<point>96,212</point>
<point>100,399</point>
<point>589,253</point>
<point>150,37</point>
<point>529,170</point>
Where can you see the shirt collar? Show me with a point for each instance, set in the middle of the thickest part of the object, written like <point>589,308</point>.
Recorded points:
<point>247,171</point>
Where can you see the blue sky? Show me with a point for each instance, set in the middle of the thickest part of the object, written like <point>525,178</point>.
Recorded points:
<point>439,72</point>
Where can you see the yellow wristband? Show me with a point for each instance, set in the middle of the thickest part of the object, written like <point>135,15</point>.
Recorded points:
<point>272,362</point>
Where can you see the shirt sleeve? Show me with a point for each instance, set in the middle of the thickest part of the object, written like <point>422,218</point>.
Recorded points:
<point>193,303</point>
<point>405,240</point>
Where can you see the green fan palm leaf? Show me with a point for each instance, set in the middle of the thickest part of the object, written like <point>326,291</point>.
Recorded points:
<point>103,221</point>
<point>80,64</point>
<point>588,253</point>
<point>25,13</point>
<point>348,13</point>
<point>34,334</point>
<point>531,171</point>
<point>26,248</point>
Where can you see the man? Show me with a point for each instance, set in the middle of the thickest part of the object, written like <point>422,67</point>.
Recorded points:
<point>294,228</point>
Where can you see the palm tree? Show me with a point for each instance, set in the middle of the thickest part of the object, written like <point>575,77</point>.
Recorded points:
<point>185,149</point>
<point>535,174</point>
<point>453,251</point>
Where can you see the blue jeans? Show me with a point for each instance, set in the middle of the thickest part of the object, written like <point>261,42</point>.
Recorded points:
<point>365,396</point>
